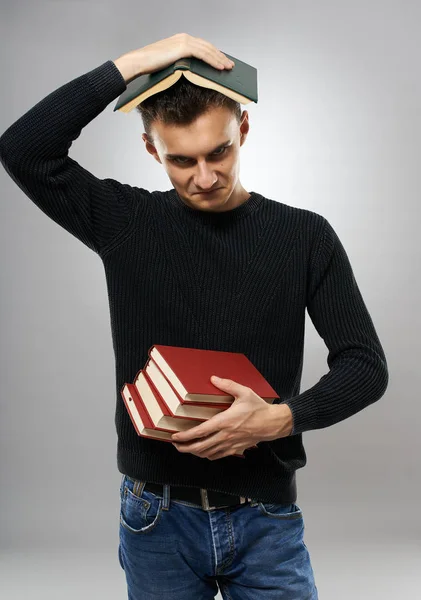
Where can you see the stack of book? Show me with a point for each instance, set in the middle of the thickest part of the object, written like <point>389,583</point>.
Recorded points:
<point>173,391</point>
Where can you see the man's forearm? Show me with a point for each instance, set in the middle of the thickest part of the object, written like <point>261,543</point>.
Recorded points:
<point>127,68</point>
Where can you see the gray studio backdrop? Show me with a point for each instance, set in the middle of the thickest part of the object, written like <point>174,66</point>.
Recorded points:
<point>337,131</point>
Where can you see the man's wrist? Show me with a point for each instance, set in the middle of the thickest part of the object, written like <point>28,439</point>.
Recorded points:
<point>125,65</point>
<point>282,421</point>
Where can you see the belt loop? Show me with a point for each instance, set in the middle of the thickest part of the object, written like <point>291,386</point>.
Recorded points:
<point>204,497</point>
<point>166,496</point>
<point>138,487</point>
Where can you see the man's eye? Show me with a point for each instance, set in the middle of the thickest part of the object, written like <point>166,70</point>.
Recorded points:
<point>184,161</point>
<point>222,150</point>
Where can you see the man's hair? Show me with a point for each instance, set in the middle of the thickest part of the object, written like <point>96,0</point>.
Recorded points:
<point>181,104</point>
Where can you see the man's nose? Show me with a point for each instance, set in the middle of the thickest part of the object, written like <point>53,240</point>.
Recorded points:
<point>204,178</point>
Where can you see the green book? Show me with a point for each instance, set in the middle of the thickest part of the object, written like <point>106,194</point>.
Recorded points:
<point>238,83</point>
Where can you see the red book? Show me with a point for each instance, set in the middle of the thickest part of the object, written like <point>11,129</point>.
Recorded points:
<point>163,404</point>
<point>189,370</point>
<point>176,405</point>
<point>146,414</point>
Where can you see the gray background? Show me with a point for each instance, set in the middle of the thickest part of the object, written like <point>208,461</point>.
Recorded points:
<point>337,131</point>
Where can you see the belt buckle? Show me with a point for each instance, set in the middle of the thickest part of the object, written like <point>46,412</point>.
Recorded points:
<point>205,500</point>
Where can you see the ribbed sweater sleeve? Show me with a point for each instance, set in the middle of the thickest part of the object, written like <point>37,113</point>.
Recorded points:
<point>358,374</point>
<point>35,152</point>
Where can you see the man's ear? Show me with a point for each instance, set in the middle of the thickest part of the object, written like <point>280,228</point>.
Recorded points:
<point>150,147</point>
<point>244,127</point>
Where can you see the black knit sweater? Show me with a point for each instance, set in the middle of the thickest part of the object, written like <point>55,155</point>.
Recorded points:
<point>238,281</point>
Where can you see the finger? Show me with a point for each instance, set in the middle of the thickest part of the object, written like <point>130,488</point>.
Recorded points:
<point>232,387</point>
<point>187,447</point>
<point>206,49</point>
<point>217,451</point>
<point>200,431</point>
<point>190,434</point>
<point>197,447</point>
<point>221,453</point>
<point>212,55</point>
<point>211,47</point>
<point>216,59</point>
<point>213,451</point>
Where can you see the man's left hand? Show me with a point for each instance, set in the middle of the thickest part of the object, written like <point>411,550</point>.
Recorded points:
<point>249,420</point>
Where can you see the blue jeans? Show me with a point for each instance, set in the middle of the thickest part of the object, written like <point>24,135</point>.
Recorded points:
<point>179,551</point>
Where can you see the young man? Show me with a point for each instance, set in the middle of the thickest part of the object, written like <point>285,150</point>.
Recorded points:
<point>208,265</point>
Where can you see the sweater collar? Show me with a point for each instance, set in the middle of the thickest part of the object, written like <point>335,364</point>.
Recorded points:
<point>227,216</point>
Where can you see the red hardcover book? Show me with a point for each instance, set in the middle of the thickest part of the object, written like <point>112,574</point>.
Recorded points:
<point>172,399</point>
<point>136,409</point>
<point>158,407</point>
<point>189,370</point>
<point>156,375</point>
<point>143,423</point>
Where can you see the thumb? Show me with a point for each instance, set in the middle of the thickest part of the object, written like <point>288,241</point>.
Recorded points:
<point>228,385</point>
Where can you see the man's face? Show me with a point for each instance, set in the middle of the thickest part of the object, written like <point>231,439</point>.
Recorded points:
<point>202,159</point>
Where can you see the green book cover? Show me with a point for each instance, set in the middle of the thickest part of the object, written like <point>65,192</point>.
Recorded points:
<point>242,78</point>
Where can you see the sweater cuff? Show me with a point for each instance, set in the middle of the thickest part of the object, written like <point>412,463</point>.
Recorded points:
<point>107,81</point>
<point>304,412</point>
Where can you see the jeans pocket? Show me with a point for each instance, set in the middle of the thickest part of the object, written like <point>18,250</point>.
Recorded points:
<point>280,511</point>
<point>138,513</point>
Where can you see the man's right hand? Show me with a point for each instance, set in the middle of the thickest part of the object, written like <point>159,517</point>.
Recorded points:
<point>161,54</point>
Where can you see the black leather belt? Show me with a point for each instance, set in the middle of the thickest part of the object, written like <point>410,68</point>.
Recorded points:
<point>206,499</point>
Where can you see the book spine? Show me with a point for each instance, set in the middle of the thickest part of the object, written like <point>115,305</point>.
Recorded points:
<point>183,64</point>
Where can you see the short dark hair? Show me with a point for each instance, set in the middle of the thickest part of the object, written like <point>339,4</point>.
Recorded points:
<point>182,103</point>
